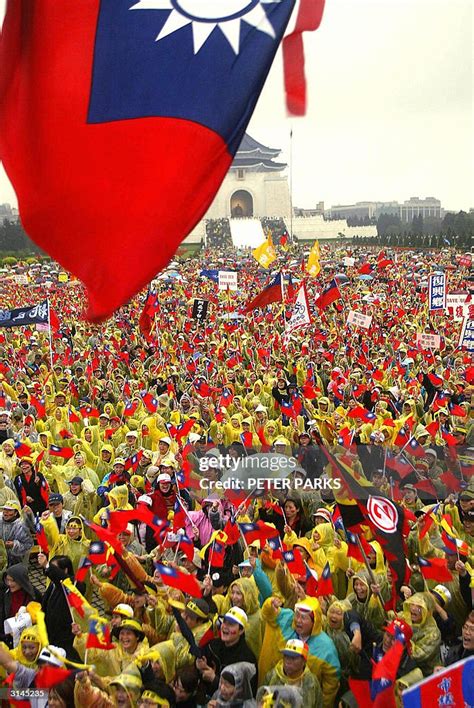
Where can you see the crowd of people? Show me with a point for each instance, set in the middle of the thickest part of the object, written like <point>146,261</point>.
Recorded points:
<point>169,585</point>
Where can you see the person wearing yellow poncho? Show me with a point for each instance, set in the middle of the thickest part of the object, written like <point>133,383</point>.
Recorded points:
<point>8,459</point>
<point>333,624</point>
<point>123,690</point>
<point>292,670</point>
<point>104,461</point>
<point>426,640</point>
<point>73,543</point>
<point>314,557</point>
<point>159,661</point>
<point>323,418</point>
<point>57,422</point>
<point>248,432</point>
<point>326,539</point>
<point>233,429</point>
<point>271,431</point>
<point>91,442</point>
<point>304,623</point>
<point>259,392</point>
<point>27,650</point>
<point>6,493</point>
<point>152,429</point>
<point>376,560</point>
<point>195,614</point>
<point>368,604</point>
<point>243,593</point>
<point>118,501</point>
<point>77,467</point>
<point>81,499</point>
<point>110,662</point>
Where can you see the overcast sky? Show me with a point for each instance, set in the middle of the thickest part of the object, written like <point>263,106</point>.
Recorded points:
<point>390,111</point>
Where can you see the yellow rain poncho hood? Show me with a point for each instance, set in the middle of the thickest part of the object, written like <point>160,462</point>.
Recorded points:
<point>165,654</point>
<point>30,634</point>
<point>118,497</point>
<point>311,603</point>
<point>130,679</point>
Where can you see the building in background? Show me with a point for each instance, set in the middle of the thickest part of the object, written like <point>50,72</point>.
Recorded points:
<point>413,207</point>
<point>420,207</point>
<point>8,212</point>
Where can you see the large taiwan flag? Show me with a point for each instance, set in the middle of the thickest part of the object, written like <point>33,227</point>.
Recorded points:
<point>119,119</point>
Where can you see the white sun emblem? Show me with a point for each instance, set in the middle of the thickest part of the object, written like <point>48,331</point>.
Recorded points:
<point>205,15</point>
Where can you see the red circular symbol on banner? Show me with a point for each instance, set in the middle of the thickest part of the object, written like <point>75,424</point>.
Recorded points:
<point>383,514</point>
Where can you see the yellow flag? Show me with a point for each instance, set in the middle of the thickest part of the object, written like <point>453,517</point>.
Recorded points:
<point>265,254</point>
<point>313,265</point>
<point>41,627</point>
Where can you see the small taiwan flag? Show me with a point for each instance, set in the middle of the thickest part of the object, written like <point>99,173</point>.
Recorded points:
<point>182,581</point>
<point>65,452</point>
<point>325,586</point>
<point>130,408</point>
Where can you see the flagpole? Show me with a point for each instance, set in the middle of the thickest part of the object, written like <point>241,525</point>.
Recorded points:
<point>176,551</point>
<point>50,337</point>
<point>369,569</point>
<point>282,285</point>
<point>211,553</point>
<point>291,184</point>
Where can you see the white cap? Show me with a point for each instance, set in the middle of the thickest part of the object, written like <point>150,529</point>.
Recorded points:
<point>47,654</point>
<point>131,433</point>
<point>194,437</point>
<point>236,614</point>
<point>163,477</point>
<point>145,499</point>
<point>123,609</point>
<point>151,470</point>
<point>165,439</point>
<point>260,409</point>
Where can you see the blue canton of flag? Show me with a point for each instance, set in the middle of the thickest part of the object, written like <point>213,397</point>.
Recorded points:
<point>199,44</point>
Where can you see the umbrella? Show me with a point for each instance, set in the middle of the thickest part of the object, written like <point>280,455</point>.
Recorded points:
<point>342,278</point>
<point>232,316</point>
<point>366,277</point>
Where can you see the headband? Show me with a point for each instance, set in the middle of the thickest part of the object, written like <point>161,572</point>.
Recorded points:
<point>151,696</point>
<point>192,607</point>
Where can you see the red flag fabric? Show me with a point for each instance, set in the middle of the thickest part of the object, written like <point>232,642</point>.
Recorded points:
<point>105,535</point>
<point>272,293</point>
<point>309,18</point>
<point>433,427</point>
<point>123,142</point>
<point>330,294</point>
<point>435,569</point>
<point>53,319</point>
<point>294,561</point>
<point>325,586</point>
<point>73,418</point>
<point>49,676</point>
<point>65,452</point>
<point>22,450</point>
<point>388,665</point>
<point>39,405</point>
<point>232,532</point>
<point>177,579</point>
<point>98,636</point>
<point>75,600</point>
<point>89,412</point>
<point>258,531</point>
<point>41,538</point>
